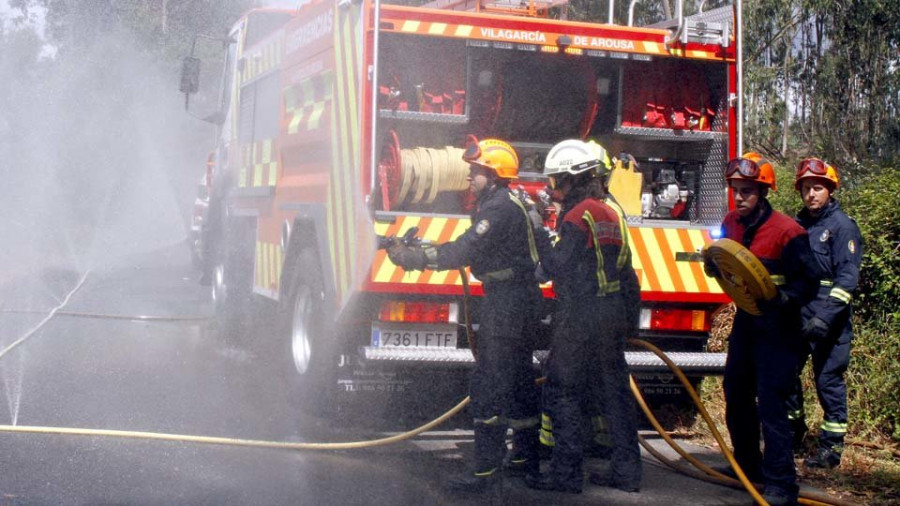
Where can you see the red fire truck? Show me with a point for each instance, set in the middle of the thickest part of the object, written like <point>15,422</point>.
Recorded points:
<point>343,121</point>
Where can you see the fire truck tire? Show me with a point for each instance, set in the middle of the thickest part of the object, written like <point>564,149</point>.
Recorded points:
<point>308,346</point>
<point>232,281</point>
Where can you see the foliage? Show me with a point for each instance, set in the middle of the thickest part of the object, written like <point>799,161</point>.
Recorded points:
<point>822,77</point>
<point>163,28</point>
<point>873,382</point>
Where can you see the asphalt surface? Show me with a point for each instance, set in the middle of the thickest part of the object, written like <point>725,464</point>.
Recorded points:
<point>181,377</point>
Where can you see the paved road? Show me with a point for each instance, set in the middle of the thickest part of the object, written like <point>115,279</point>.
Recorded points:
<point>179,377</point>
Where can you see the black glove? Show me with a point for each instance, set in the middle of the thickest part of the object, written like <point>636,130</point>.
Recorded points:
<point>411,258</point>
<point>815,329</point>
<point>774,304</point>
<point>710,268</point>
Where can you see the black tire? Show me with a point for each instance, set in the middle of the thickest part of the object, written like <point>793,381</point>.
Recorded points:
<point>306,341</point>
<point>232,281</point>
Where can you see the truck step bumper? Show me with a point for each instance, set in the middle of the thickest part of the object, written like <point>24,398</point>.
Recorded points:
<point>638,361</point>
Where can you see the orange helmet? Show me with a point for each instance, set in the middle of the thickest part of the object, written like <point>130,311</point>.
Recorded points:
<point>496,155</point>
<point>813,168</point>
<point>752,167</point>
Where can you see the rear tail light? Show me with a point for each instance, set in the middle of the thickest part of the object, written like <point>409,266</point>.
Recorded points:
<point>696,320</point>
<point>418,312</point>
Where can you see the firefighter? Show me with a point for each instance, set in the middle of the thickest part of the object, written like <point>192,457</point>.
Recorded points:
<point>837,244</point>
<point>597,291</point>
<point>598,443</point>
<point>764,350</point>
<point>500,249</point>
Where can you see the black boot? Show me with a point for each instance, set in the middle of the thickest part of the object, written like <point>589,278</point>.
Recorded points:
<point>778,497</point>
<point>604,480</point>
<point>551,484</point>
<point>474,482</point>
<point>517,467</point>
<point>824,458</point>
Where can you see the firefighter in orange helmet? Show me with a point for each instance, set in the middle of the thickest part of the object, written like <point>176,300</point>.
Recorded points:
<point>763,350</point>
<point>837,243</point>
<point>499,247</point>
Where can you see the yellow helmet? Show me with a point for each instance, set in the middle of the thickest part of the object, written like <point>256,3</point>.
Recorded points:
<point>496,155</point>
<point>813,168</point>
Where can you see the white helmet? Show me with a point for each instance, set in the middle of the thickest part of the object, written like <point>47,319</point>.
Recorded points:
<point>572,156</point>
<point>605,167</point>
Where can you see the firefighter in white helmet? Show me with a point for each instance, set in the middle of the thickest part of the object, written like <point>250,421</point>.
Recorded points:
<point>598,293</point>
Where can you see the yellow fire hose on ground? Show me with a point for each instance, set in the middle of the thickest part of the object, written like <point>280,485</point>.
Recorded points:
<point>726,258</point>
<point>807,497</point>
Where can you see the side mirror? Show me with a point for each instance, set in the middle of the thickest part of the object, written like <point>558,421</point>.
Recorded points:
<point>190,75</point>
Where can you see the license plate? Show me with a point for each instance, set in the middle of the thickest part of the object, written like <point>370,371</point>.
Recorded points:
<point>414,336</point>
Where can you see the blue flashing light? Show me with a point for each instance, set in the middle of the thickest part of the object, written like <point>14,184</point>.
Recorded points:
<point>716,233</point>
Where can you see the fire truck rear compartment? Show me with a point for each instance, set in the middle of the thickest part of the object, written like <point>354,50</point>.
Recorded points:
<point>435,95</point>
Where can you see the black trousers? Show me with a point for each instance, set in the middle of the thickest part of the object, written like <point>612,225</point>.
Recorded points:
<point>502,386</point>
<point>586,369</point>
<point>763,353</point>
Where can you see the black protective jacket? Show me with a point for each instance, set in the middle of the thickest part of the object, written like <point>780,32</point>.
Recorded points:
<point>497,246</point>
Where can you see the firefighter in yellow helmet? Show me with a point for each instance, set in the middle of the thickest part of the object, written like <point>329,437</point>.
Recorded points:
<point>597,293</point>
<point>763,350</point>
<point>837,244</point>
<point>499,248</point>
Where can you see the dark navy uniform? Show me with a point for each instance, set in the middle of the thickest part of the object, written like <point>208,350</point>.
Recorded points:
<point>499,247</point>
<point>598,294</point>
<point>763,351</point>
<point>837,245</point>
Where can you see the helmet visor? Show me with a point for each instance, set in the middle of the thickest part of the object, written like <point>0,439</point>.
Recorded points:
<point>742,166</point>
<point>472,153</point>
<point>812,166</point>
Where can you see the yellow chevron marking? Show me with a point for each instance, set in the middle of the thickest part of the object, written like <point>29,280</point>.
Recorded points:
<point>408,223</point>
<point>351,83</point>
<point>266,151</point>
<point>273,267</point>
<point>636,259</point>
<point>684,268</point>
<point>464,30</point>
<point>651,47</point>
<point>315,116</point>
<point>294,125</point>
<point>273,173</point>
<point>257,281</point>
<point>461,227</point>
<point>439,277</point>
<point>437,28</point>
<point>410,26</point>
<point>659,264</point>
<point>698,54</point>
<point>257,174</point>
<point>384,273</point>
<point>434,229</point>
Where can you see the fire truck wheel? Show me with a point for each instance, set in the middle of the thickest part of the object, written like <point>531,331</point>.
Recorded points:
<point>311,360</point>
<point>231,283</point>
